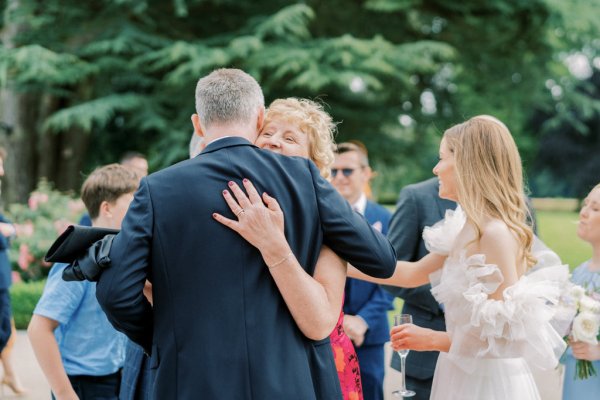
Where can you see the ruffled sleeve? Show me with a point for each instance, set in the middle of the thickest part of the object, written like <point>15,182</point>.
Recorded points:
<point>517,326</point>
<point>440,237</point>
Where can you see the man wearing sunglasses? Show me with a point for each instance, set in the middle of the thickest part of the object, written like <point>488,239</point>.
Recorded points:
<point>365,304</point>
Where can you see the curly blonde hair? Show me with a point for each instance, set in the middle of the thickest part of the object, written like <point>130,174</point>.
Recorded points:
<point>314,121</point>
<point>489,177</point>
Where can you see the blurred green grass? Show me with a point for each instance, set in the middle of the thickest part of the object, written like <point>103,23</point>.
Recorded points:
<point>558,229</point>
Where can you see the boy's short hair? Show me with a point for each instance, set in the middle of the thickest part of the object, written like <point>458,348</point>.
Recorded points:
<point>107,183</point>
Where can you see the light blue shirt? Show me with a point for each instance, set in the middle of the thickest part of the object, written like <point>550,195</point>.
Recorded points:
<point>88,343</point>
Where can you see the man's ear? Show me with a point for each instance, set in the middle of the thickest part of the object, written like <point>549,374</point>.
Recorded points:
<point>104,209</point>
<point>368,173</point>
<point>197,125</point>
<point>260,121</point>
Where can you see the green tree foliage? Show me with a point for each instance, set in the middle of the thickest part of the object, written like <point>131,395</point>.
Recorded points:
<point>396,73</point>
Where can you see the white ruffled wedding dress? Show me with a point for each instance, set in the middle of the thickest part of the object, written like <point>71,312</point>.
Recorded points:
<point>494,343</point>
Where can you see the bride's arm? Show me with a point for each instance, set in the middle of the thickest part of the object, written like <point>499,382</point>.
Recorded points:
<point>314,302</point>
<point>407,274</point>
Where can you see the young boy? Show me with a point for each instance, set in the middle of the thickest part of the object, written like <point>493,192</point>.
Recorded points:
<point>79,351</point>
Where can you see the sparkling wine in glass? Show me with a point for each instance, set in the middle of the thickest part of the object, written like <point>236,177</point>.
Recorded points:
<point>401,319</point>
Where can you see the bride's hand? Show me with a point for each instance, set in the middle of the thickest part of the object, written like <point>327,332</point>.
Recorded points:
<point>259,220</point>
<point>411,337</point>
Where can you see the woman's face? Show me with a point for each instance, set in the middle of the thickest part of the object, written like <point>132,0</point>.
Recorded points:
<point>444,170</point>
<point>588,228</point>
<point>284,138</point>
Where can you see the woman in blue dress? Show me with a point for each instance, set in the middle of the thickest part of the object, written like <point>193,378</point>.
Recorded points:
<point>586,275</point>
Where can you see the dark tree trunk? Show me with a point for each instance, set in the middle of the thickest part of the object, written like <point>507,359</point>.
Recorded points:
<point>19,117</point>
<point>73,148</point>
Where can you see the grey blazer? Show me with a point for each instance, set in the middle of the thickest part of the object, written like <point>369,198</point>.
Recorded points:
<point>418,206</point>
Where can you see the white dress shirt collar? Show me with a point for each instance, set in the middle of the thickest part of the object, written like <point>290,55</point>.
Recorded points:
<point>361,204</point>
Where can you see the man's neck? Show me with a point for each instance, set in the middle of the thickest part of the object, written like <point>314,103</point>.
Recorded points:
<point>220,131</point>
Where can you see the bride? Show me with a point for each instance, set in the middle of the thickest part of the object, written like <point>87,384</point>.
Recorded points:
<point>497,316</point>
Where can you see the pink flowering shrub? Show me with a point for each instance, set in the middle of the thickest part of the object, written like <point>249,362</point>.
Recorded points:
<point>38,223</point>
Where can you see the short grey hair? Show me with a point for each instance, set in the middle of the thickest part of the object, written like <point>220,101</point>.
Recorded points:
<point>228,96</point>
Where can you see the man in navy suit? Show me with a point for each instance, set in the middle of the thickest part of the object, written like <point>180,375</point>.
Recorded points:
<point>219,328</point>
<point>419,205</point>
<point>365,304</point>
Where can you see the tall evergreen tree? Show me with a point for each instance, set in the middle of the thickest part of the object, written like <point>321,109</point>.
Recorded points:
<point>84,81</point>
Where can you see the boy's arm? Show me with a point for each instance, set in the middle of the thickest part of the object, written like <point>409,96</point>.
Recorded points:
<point>45,347</point>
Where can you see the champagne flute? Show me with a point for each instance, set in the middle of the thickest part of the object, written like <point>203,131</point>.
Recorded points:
<point>401,319</point>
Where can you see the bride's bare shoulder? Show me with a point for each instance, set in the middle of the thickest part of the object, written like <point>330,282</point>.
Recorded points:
<point>496,232</point>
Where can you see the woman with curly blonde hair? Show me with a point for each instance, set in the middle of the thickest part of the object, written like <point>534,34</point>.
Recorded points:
<point>300,127</point>
<point>292,115</point>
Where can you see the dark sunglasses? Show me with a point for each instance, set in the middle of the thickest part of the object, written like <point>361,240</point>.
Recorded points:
<point>345,171</point>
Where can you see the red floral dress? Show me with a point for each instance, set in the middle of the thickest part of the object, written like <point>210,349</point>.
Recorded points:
<point>346,362</point>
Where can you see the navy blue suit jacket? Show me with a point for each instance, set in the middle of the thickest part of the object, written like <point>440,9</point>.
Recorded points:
<point>369,300</point>
<point>419,205</point>
<point>219,328</point>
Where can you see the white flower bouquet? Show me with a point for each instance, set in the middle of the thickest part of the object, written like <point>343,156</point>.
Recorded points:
<point>582,307</point>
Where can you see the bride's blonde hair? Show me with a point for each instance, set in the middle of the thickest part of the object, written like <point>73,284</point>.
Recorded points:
<point>489,177</point>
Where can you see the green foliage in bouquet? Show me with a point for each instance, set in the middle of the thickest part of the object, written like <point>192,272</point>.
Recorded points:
<point>38,223</point>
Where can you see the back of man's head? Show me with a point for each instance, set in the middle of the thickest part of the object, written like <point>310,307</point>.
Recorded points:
<point>137,161</point>
<point>107,183</point>
<point>228,96</point>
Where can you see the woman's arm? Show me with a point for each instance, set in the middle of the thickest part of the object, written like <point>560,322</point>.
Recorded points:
<point>413,337</point>
<point>407,274</point>
<point>314,302</point>
<point>45,347</point>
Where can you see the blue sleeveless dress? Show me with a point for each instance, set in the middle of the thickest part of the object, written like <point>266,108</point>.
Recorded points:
<point>586,389</point>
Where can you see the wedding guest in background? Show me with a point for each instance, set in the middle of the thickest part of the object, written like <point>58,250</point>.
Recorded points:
<point>365,303</point>
<point>137,161</point>
<point>131,159</point>
<point>419,205</point>
<point>7,231</point>
<point>586,275</point>
<point>10,377</point>
<point>79,351</point>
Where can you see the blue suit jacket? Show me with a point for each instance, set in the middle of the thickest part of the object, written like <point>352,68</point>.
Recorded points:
<point>419,205</point>
<point>369,300</point>
<point>219,328</point>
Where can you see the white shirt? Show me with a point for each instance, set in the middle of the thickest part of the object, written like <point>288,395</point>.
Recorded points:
<point>361,204</point>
